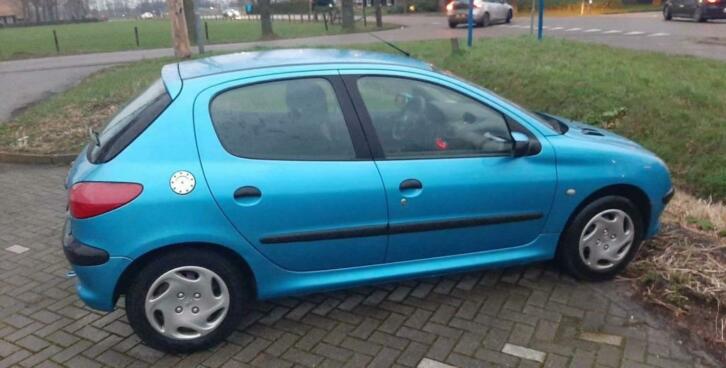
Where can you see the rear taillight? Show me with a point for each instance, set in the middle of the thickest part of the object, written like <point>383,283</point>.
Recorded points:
<point>90,199</point>
<point>712,1</point>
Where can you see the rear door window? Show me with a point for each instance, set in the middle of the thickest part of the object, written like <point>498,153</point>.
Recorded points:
<point>129,123</point>
<point>296,119</point>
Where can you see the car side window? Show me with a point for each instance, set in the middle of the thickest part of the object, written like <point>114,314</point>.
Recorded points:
<point>416,119</point>
<point>296,119</point>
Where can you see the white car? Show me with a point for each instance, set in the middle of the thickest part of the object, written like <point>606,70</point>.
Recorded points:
<point>146,15</point>
<point>485,12</point>
<point>232,13</point>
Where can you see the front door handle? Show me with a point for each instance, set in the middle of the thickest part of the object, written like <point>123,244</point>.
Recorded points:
<point>247,192</point>
<point>410,184</point>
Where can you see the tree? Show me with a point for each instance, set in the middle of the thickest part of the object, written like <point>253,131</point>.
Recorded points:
<point>347,15</point>
<point>190,19</point>
<point>379,13</point>
<point>179,29</point>
<point>265,20</point>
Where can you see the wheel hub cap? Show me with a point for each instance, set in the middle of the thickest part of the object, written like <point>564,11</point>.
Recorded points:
<point>606,239</point>
<point>187,302</point>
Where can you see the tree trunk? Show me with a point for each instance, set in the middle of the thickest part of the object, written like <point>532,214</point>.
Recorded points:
<point>190,19</point>
<point>379,13</point>
<point>179,34</point>
<point>265,21</point>
<point>347,15</point>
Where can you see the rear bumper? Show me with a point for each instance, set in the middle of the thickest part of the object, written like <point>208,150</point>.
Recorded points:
<point>96,285</point>
<point>97,273</point>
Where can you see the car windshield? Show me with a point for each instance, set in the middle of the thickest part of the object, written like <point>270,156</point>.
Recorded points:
<point>546,121</point>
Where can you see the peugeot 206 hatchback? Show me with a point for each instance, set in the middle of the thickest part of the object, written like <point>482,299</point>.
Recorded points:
<point>265,174</point>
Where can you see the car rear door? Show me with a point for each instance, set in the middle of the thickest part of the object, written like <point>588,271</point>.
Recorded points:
<point>451,182</point>
<point>286,162</point>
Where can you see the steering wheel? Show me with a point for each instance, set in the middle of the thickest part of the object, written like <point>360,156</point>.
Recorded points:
<point>413,115</point>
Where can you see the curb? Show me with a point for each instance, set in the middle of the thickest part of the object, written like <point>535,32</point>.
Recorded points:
<point>37,159</point>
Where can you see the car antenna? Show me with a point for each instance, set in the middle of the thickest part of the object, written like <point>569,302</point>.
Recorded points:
<point>392,45</point>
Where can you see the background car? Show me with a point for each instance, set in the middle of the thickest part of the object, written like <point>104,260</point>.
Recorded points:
<point>232,13</point>
<point>265,174</point>
<point>698,10</point>
<point>146,15</point>
<point>485,12</point>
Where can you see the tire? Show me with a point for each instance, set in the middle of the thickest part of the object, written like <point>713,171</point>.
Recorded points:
<point>509,17</point>
<point>221,321</point>
<point>667,15</point>
<point>584,262</point>
<point>453,24</point>
<point>485,20</point>
<point>698,15</point>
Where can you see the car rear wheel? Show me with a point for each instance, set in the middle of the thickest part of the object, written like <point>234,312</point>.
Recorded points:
<point>186,301</point>
<point>601,239</point>
<point>698,15</point>
<point>452,24</point>
<point>667,15</point>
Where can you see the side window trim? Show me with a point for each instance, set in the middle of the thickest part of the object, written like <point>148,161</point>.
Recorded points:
<point>353,125</point>
<point>350,81</point>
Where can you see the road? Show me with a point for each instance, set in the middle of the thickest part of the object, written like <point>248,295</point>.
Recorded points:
<point>35,79</point>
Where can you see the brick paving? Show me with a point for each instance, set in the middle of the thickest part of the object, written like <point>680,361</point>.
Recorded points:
<point>538,316</point>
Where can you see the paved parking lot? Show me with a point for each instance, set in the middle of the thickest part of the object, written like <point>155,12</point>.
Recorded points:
<point>529,317</point>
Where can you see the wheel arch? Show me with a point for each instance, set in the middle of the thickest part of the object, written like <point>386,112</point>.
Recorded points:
<point>629,191</point>
<point>128,274</point>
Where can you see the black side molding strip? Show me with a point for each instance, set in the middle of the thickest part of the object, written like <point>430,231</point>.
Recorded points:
<point>357,232</point>
<point>398,228</point>
<point>455,224</point>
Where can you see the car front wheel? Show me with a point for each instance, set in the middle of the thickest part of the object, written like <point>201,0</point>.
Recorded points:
<point>667,15</point>
<point>509,17</point>
<point>601,239</point>
<point>186,300</point>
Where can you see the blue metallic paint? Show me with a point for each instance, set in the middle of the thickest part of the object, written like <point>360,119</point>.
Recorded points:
<point>159,218</point>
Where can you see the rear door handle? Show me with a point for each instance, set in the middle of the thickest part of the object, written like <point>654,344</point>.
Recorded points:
<point>410,184</point>
<point>247,192</point>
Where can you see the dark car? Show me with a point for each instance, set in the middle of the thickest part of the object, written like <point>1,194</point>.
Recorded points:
<point>698,10</point>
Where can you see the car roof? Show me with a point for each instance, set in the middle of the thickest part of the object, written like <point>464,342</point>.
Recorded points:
<point>289,57</point>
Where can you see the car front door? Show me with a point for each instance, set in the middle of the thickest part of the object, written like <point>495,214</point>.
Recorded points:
<point>286,162</point>
<point>445,157</point>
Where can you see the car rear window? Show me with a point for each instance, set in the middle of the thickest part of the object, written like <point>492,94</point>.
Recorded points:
<point>129,123</point>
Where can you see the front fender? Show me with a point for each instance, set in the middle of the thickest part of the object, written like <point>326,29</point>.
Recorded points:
<point>586,169</point>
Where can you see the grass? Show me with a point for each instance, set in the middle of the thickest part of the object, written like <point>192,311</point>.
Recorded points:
<point>24,42</point>
<point>633,93</point>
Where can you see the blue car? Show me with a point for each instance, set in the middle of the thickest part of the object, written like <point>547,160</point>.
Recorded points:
<point>265,174</point>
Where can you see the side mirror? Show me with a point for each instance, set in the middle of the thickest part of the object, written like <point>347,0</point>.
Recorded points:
<point>520,145</point>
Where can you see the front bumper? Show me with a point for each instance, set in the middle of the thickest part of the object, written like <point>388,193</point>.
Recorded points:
<point>669,195</point>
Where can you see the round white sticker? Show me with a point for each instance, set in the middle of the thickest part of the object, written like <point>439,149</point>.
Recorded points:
<point>182,182</point>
